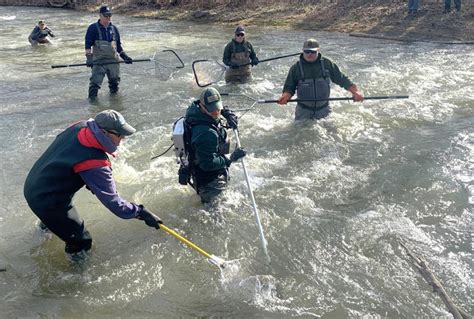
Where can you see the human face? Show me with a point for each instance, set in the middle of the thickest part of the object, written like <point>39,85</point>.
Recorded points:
<point>240,37</point>
<point>310,56</point>
<point>215,115</point>
<point>105,18</point>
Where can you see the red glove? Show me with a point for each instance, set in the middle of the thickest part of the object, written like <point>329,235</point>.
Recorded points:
<point>284,98</point>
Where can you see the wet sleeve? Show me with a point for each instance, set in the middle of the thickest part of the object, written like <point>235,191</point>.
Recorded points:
<point>100,181</point>
<point>227,55</point>
<point>337,76</point>
<point>207,152</point>
<point>291,80</point>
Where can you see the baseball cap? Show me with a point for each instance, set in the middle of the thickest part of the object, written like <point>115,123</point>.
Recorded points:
<point>111,120</point>
<point>211,99</point>
<point>239,29</point>
<point>105,9</point>
<point>311,44</point>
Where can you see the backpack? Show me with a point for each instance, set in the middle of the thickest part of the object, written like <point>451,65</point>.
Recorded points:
<point>182,149</point>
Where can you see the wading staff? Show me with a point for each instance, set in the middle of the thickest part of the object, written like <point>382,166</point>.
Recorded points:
<point>219,262</point>
<point>255,210</point>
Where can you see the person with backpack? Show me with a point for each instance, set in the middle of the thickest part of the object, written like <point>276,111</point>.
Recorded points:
<point>76,158</point>
<point>208,143</point>
<point>239,55</point>
<point>311,79</point>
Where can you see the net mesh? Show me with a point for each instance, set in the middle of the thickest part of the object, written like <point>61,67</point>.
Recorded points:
<point>207,72</point>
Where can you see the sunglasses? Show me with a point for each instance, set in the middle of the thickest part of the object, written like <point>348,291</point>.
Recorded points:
<point>240,35</point>
<point>115,133</point>
<point>310,52</point>
<point>107,15</point>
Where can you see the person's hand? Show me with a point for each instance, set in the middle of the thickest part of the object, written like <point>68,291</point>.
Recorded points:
<point>126,58</point>
<point>283,99</point>
<point>234,65</point>
<point>149,218</point>
<point>237,154</point>
<point>357,95</point>
<point>231,118</point>
<point>254,61</point>
<point>89,61</point>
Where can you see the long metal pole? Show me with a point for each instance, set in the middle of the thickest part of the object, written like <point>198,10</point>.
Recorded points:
<point>255,209</point>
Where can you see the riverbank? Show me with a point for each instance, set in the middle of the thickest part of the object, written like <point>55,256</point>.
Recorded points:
<point>384,19</point>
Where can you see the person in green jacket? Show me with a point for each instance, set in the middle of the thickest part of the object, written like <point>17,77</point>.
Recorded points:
<point>238,52</point>
<point>209,144</point>
<point>311,79</point>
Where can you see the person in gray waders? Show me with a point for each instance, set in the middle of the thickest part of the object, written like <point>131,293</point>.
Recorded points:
<point>40,34</point>
<point>103,45</point>
<point>311,78</point>
<point>78,157</point>
<point>209,144</point>
<point>238,52</point>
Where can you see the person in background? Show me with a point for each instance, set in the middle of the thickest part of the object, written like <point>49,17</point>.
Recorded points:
<point>78,157</point>
<point>239,52</point>
<point>103,45</point>
<point>447,5</point>
<point>210,166</point>
<point>311,78</point>
<point>40,34</point>
<point>413,7</point>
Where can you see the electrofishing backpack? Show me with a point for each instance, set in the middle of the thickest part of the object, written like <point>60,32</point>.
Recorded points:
<point>182,149</point>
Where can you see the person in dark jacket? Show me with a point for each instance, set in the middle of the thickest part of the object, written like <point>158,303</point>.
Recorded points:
<point>209,144</point>
<point>311,78</point>
<point>78,157</point>
<point>103,46</point>
<point>237,52</point>
<point>40,34</point>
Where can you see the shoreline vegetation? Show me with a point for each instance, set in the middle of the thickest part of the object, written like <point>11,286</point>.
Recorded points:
<point>384,19</point>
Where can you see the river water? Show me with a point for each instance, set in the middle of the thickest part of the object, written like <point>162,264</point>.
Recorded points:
<point>335,196</point>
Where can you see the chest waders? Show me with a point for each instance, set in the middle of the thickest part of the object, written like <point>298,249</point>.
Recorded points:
<point>104,50</point>
<point>243,73</point>
<point>318,88</point>
<point>209,184</point>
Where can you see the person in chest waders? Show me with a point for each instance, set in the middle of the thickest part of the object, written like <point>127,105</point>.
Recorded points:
<point>40,34</point>
<point>311,78</point>
<point>209,144</point>
<point>78,157</point>
<point>238,52</point>
<point>103,45</point>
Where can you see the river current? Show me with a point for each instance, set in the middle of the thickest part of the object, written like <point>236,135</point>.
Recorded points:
<point>335,196</point>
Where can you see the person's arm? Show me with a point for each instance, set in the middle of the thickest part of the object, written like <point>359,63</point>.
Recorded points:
<point>119,42</point>
<point>90,38</point>
<point>341,79</point>
<point>35,33</point>
<point>101,183</point>
<point>206,146</point>
<point>227,54</point>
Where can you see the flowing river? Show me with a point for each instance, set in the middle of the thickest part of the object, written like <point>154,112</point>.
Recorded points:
<point>335,196</point>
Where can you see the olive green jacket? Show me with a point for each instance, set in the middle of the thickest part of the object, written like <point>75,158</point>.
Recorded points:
<point>313,70</point>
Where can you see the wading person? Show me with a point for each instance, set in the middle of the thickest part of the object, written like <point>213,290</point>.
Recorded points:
<point>209,144</point>
<point>103,46</point>
<point>311,78</point>
<point>40,34</point>
<point>78,157</point>
<point>238,52</point>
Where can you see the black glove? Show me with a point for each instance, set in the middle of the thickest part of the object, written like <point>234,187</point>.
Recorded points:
<point>126,58</point>
<point>149,218</point>
<point>50,32</point>
<point>234,65</point>
<point>89,61</point>
<point>237,154</point>
<point>231,118</point>
<point>254,61</point>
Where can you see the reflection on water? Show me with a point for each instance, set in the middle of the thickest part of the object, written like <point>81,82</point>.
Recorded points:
<point>334,195</point>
